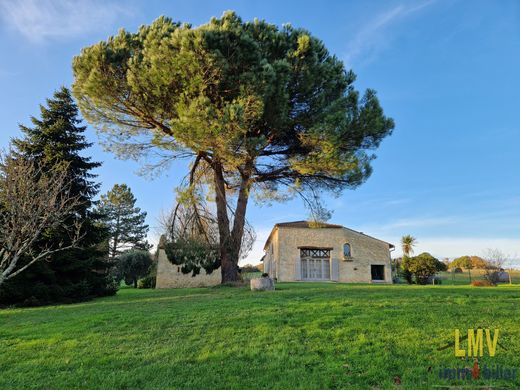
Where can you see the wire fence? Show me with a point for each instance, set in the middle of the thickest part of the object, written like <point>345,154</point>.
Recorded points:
<point>452,278</point>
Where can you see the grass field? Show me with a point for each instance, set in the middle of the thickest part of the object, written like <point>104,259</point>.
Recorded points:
<point>454,279</point>
<point>311,336</point>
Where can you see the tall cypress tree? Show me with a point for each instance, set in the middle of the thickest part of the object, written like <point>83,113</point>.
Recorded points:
<point>58,137</point>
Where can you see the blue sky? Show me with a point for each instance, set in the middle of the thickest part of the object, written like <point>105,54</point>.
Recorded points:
<point>446,71</point>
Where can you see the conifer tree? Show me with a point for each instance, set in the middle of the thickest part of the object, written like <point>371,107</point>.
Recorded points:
<point>125,221</point>
<point>56,137</point>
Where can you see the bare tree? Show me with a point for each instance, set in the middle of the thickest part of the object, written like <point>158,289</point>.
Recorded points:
<point>495,260</point>
<point>192,229</point>
<point>32,201</point>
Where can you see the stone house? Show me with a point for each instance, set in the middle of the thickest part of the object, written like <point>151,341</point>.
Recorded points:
<point>301,251</point>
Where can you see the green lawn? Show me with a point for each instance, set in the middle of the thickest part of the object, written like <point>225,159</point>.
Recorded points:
<point>300,336</point>
<point>450,278</point>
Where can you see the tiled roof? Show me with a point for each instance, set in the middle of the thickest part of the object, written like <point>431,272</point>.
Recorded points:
<point>313,225</point>
<point>308,224</point>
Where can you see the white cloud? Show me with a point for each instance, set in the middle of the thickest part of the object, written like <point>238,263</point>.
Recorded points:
<point>42,20</point>
<point>374,36</point>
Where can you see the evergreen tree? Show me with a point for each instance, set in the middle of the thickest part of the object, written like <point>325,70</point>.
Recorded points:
<point>133,265</point>
<point>125,221</point>
<point>58,137</point>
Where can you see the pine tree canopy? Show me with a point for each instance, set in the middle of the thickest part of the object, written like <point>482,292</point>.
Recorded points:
<point>260,109</point>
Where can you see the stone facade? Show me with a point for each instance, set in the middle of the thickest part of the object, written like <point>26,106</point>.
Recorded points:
<point>368,256</point>
<point>170,275</point>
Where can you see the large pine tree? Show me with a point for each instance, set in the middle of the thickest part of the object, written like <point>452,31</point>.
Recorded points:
<point>76,274</point>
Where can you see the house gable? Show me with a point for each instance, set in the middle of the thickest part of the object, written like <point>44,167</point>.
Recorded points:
<point>369,256</point>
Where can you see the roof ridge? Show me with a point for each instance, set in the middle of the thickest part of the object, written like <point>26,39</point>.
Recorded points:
<point>306,225</point>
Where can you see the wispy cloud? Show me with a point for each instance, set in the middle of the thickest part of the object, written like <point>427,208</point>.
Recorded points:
<point>374,36</point>
<point>43,20</point>
<point>407,223</point>
<point>7,73</point>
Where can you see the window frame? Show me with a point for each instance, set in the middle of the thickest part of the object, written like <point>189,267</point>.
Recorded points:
<point>349,256</point>
<point>310,257</point>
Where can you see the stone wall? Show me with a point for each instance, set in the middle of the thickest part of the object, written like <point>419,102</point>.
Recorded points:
<point>170,275</point>
<point>271,260</point>
<point>365,251</point>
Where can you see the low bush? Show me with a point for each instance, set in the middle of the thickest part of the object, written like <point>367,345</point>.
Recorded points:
<point>250,268</point>
<point>482,283</point>
<point>146,282</point>
<point>422,267</point>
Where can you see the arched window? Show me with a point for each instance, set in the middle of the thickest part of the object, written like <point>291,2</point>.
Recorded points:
<point>346,250</point>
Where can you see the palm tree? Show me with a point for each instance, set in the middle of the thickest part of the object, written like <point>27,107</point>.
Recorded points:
<point>407,243</point>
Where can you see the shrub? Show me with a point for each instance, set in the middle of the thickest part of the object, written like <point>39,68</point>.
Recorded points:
<point>146,282</point>
<point>441,266</point>
<point>422,267</point>
<point>482,283</point>
<point>111,287</point>
<point>494,277</point>
<point>406,275</point>
<point>31,302</point>
<point>250,268</point>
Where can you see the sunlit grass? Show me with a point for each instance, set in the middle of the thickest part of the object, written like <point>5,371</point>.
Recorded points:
<point>314,335</point>
<point>465,277</point>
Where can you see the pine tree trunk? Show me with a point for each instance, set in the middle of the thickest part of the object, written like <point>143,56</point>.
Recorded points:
<point>135,283</point>
<point>230,241</point>
<point>227,266</point>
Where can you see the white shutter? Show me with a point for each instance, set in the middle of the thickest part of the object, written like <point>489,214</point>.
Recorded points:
<point>297,269</point>
<point>334,274</point>
<point>326,269</point>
